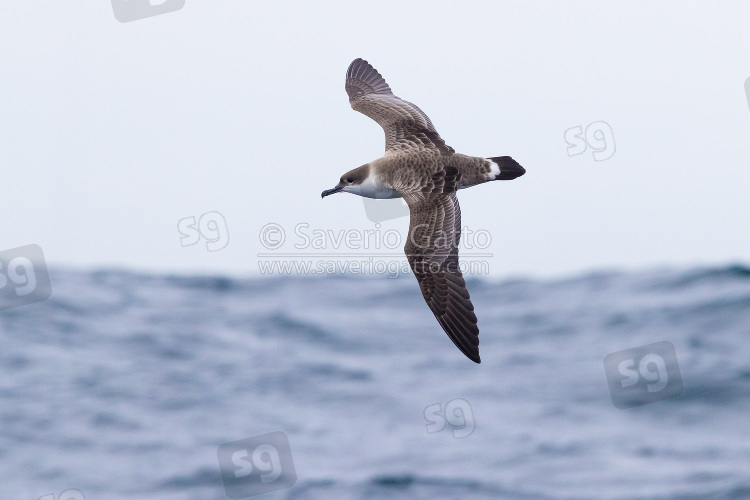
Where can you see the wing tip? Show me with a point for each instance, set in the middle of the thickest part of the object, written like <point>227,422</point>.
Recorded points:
<point>467,344</point>
<point>474,356</point>
<point>362,78</point>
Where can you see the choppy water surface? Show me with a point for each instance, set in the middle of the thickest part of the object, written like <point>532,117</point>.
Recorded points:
<point>123,386</point>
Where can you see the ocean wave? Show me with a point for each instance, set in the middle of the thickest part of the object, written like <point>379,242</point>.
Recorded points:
<point>124,384</point>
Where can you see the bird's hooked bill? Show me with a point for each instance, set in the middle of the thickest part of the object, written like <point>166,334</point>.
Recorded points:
<point>331,191</point>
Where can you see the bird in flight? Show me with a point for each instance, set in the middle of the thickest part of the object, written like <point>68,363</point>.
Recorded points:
<point>420,167</point>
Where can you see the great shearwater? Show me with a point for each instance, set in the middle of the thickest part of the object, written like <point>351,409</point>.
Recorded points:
<point>420,167</point>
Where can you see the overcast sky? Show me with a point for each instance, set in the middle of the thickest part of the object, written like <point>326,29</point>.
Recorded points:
<point>112,133</point>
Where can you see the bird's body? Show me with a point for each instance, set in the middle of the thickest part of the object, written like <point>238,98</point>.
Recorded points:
<point>420,167</point>
<point>402,172</point>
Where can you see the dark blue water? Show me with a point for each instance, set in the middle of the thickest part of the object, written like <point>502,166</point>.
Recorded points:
<point>124,385</point>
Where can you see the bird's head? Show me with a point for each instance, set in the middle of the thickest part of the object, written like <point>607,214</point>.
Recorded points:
<point>350,182</point>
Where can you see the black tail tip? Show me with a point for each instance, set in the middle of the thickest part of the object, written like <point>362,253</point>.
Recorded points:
<point>509,168</point>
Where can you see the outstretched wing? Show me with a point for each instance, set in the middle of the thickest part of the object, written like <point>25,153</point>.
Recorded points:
<point>405,125</point>
<point>432,251</point>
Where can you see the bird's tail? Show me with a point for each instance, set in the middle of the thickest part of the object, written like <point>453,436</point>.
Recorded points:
<point>509,168</point>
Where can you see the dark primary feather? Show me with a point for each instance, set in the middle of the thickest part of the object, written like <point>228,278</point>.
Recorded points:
<point>432,251</point>
<point>405,125</point>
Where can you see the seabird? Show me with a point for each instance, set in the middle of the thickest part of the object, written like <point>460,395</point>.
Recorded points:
<point>420,167</point>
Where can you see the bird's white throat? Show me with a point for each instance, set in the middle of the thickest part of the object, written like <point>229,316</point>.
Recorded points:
<point>372,187</point>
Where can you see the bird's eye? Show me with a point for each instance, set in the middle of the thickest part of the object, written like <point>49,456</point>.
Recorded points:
<point>349,180</point>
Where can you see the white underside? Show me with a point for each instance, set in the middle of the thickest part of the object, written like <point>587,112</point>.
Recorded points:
<point>370,188</point>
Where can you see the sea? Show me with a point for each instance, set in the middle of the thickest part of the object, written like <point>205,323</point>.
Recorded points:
<point>127,385</point>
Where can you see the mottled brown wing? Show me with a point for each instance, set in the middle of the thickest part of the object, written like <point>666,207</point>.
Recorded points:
<point>432,251</point>
<point>405,125</point>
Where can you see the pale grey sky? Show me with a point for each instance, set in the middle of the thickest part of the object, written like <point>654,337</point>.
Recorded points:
<point>111,133</point>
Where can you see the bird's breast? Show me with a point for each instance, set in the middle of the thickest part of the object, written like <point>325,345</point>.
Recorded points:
<point>372,187</point>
